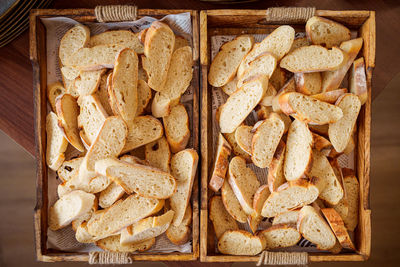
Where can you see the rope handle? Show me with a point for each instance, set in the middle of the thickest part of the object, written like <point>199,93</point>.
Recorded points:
<point>283,258</point>
<point>289,15</point>
<point>107,257</point>
<point>115,13</point>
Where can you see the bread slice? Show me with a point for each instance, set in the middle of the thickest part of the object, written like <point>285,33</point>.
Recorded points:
<point>124,38</point>
<point>220,164</point>
<point>308,83</point>
<point>53,91</point>
<point>241,103</point>
<point>179,235</point>
<point>358,80</point>
<point>290,86</point>
<point>337,225</point>
<point>93,185</point>
<point>69,73</point>
<point>243,182</point>
<point>279,78</point>
<point>82,235</point>
<point>112,244</point>
<point>56,142</point>
<point>147,182</point>
<point>111,99</point>
<point>319,129</point>
<point>230,87</point>
<point>67,112</point>
<point>158,154</point>
<point>240,242</point>
<point>183,167</point>
<point>74,39</point>
<point>231,203</point>
<point>94,58</point>
<point>352,189</point>
<point>309,109</point>
<point>158,47</point>
<point>331,80</point>
<point>320,143</point>
<point>277,42</point>
<point>176,126</point>
<point>290,217</point>
<point>180,41</point>
<point>326,32</point>
<point>225,64</point>
<point>298,156</point>
<point>243,136</point>
<point>102,94</point>
<point>265,141</point>
<point>146,228</point>
<point>110,195</point>
<point>299,42</point>
<point>280,236</point>
<point>314,228</point>
<point>68,208</point>
<point>264,64</point>
<point>331,96</point>
<point>275,170</point>
<point>270,94</point>
<point>144,130</point>
<point>88,81</point>
<point>162,104</point>
<point>236,149</point>
<point>313,58</point>
<point>69,169</point>
<point>220,218</point>
<point>84,218</point>
<point>260,196</point>
<point>69,86</point>
<point>290,196</point>
<point>144,97</point>
<point>340,132</point>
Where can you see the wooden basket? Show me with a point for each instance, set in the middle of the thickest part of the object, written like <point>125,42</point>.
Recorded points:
<point>233,22</point>
<point>38,58</point>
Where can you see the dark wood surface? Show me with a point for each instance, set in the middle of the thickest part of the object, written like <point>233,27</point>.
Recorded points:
<point>16,101</point>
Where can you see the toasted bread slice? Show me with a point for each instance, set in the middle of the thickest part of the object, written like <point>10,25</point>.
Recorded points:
<point>269,96</point>
<point>144,97</point>
<point>275,170</point>
<point>314,228</point>
<point>340,132</point>
<point>231,203</point>
<point>183,167</point>
<point>236,149</point>
<point>180,41</point>
<point>158,47</point>
<point>56,142</point>
<point>331,80</point>
<point>112,244</point>
<point>240,242</point>
<point>220,218</point>
<point>264,64</point>
<point>124,38</point>
<point>313,58</point>
<point>352,189</point>
<point>299,42</point>
<point>88,81</point>
<point>110,195</point>
<point>225,64</point>
<point>230,87</point>
<point>176,126</point>
<point>243,137</point>
<point>325,32</point>
<point>179,235</point>
<point>280,236</point>
<point>74,39</point>
<point>241,103</point>
<point>260,196</point>
<point>298,156</point>
<point>82,235</point>
<point>53,91</point>
<point>290,217</point>
<point>69,169</point>
<point>69,73</point>
<point>221,164</point>
<point>93,185</point>
<point>320,143</point>
<point>337,225</point>
<point>358,80</point>
<point>290,86</point>
<point>102,94</point>
<point>309,109</point>
<point>331,96</point>
<point>308,83</point>
<point>158,154</point>
<point>277,42</point>
<point>243,182</point>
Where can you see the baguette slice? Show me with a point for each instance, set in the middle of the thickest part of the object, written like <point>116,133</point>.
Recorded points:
<point>290,217</point>
<point>243,137</point>
<point>243,182</point>
<point>275,170</point>
<point>298,156</point>
<point>158,154</point>
<point>144,130</point>
<point>314,228</point>
<point>280,236</point>
<point>240,242</point>
<point>309,109</point>
<point>56,142</point>
<point>231,203</point>
<point>290,86</point>
<point>110,195</point>
<point>340,132</point>
<point>290,196</point>
<point>331,96</point>
<point>69,207</point>
<point>320,143</point>
<point>337,225</point>
<point>147,228</point>
<point>241,103</point>
<point>179,235</point>
<point>147,182</point>
<point>319,129</point>
<point>313,58</point>
<point>82,235</point>
<point>102,94</point>
<point>69,86</point>
<point>264,64</point>
<point>144,97</point>
<point>69,73</point>
<point>325,32</point>
<point>158,47</point>
<point>69,169</point>
<point>53,91</point>
<point>331,80</point>
<point>112,244</point>
<point>279,77</point>
<point>269,96</point>
<point>236,149</point>
<point>265,141</point>
<point>176,126</point>
<point>183,167</point>
<point>277,42</point>
<point>308,83</point>
<point>220,218</point>
<point>358,80</point>
<point>260,197</point>
<point>94,185</point>
<point>67,112</point>
<point>74,39</point>
<point>221,164</point>
<point>299,42</point>
<point>88,81</point>
<point>180,41</point>
<point>230,87</point>
<point>124,38</point>
<point>225,64</point>
<point>352,189</point>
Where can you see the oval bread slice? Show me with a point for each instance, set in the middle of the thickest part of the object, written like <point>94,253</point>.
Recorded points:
<point>239,242</point>
<point>275,170</point>
<point>243,136</point>
<point>124,38</point>
<point>231,203</point>
<point>158,154</point>
<point>179,235</point>
<point>280,236</point>
<point>352,189</point>
<point>289,217</point>
<point>358,80</point>
<point>264,64</point>
<point>112,244</point>
<point>176,126</point>
<point>326,32</point>
<point>331,96</point>
<point>53,91</point>
<point>337,225</point>
<point>74,39</point>
<point>220,218</point>
<point>260,197</point>
<point>220,164</point>
<point>308,83</point>
<point>56,142</point>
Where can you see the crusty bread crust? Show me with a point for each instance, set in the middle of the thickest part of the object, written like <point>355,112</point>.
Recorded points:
<point>220,165</point>
<point>240,247</point>
<point>338,228</point>
<point>320,143</point>
<point>329,40</point>
<point>331,96</point>
<point>277,162</point>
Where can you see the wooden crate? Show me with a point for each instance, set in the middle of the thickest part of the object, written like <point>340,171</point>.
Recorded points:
<point>38,58</point>
<point>233,22</point>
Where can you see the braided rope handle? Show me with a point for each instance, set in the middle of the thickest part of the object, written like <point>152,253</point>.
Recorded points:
<point>115,13</point>
<point>283,258</point>
<point>106,257</point>
<point>294,15</point>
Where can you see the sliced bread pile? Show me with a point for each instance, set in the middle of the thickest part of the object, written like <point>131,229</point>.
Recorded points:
<point>103,111</point>
<point>305,122</point>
